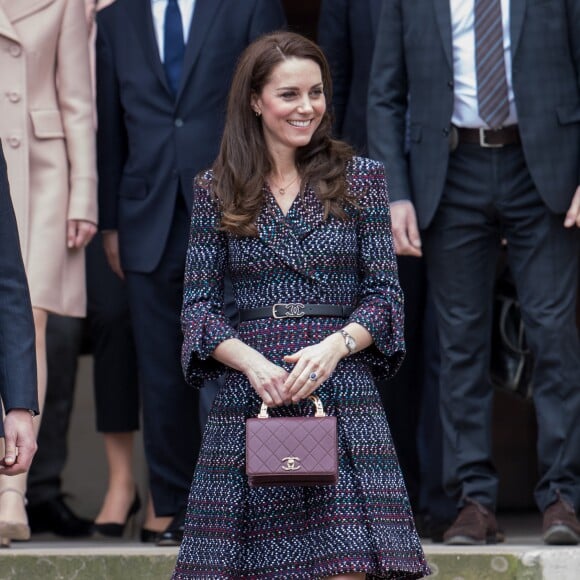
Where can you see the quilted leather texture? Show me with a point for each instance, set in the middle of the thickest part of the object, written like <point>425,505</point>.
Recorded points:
<point>291,451</point>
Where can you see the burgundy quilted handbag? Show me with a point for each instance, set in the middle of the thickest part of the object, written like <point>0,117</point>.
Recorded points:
<point>292,450</point>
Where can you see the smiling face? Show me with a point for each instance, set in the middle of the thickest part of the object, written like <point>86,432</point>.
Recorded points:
<point>291,104</point>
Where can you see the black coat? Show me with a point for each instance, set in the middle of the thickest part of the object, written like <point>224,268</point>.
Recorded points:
<point>148,140</point>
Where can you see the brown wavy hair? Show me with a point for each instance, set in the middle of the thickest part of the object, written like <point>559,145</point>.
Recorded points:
<point>244,160</point>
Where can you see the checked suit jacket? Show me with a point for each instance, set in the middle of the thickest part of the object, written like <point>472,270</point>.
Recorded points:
<point>413,65</point>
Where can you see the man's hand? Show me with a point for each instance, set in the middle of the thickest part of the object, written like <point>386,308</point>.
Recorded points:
<point>111,245</point>
<point>79,233</point>
<point>405,230</point>
<point>573,214</point>
<point>19,442</point>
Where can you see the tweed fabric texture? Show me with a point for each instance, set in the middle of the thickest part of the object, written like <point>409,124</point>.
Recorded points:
<point>364,523</point>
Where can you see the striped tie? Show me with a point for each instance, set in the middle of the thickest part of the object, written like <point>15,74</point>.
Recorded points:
<point>492,91</point>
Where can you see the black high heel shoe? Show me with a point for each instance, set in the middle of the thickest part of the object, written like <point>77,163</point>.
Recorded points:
<point>114,530</point>
<point>149,536</point>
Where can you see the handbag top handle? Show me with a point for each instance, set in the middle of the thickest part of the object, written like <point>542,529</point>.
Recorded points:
<point>263,414</point>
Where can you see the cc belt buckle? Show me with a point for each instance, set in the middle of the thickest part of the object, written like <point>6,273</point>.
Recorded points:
<point>291,310</point>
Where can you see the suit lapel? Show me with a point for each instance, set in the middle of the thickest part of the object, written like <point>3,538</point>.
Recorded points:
<point>142,17</point>
<point>310,213</point>
<point>443,15</point>
<point>15,11</point>
<point>285,241</point>
<point>517,11</point>
<point>201,21</point>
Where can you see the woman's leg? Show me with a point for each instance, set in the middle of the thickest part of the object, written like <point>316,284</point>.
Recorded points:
<point>12,507</point>
<point>122,488</point>
<point>152,522</point>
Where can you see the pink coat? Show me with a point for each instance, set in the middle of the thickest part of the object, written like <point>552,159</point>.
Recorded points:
<point>46,126</point>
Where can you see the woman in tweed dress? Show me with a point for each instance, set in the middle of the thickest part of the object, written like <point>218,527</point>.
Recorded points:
<point>295,219</point>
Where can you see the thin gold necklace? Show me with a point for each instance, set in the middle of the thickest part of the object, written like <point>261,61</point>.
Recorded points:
<point>282,190</point>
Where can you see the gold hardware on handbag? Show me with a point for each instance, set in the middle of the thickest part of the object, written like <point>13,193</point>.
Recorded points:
<point>292,450</point>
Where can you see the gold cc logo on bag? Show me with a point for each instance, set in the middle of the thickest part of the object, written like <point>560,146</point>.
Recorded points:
<point>291,463</point>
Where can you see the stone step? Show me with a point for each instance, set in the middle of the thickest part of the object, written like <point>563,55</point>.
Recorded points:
<point>509,562</point>
<point>90,560</point>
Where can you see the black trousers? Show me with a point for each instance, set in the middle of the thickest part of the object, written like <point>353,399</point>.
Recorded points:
<point>489,195</point>
<point>110,340</point>
<point>171,426</point>
<point>106,333</point>
<point>411,398</point>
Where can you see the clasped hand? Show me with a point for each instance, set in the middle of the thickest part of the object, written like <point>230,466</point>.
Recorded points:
<point>312,366</point>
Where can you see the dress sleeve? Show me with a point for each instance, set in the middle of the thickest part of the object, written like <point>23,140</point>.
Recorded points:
<point>380,306</point>
<point>203,321</point>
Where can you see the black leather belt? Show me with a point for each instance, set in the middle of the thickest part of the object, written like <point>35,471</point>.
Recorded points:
<point>509,135</point>
<point>295,310</point>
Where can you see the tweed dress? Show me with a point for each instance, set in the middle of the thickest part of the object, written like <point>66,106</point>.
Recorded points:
<point>364,523</point>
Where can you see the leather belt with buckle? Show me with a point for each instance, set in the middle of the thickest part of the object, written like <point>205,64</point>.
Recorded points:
<point>509,135</point>
<point>295,310</point>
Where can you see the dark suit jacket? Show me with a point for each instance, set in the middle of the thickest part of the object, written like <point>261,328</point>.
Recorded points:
<point>147,140</point>
<point>18,387</point>
<point>347,32</point>
<point>413,59</point>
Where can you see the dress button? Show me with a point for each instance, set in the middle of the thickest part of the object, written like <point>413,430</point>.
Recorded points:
<point>450,84</point>
<point>14,142</point>
<point>446,132</point>
<point>15,50</point>
<point>14,97</point>
<point>178,122</point>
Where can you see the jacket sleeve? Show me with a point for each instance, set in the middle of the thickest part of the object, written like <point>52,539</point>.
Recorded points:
<point>203,320</point>
<point>76,107</point>
<point>18,386</point>
<point>380,306</point>
<point>388,100</point>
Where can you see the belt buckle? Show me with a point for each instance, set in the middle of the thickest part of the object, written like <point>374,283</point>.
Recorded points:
<point>293,310</point>
<point>484,143</point>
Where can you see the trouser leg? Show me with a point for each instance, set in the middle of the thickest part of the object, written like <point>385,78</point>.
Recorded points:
<point>63,344</point>
<point>543,258</point>
<point>115,361</point>
<point>170,406</point>
<point>461,247</point>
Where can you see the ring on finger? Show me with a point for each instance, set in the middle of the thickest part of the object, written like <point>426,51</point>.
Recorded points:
<point>313,376</point>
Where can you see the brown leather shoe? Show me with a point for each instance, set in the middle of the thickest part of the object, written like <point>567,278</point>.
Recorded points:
<point>561,526</point>
<point>474,525</point>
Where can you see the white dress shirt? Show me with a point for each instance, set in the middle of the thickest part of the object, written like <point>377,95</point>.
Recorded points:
<point>158,7</point>
<point>465,108</point>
